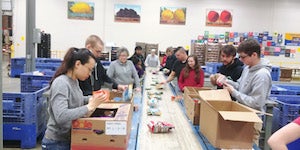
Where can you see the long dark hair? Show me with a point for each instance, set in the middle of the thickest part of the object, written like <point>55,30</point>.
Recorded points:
<point>197,69</point>
<point>73,54</point>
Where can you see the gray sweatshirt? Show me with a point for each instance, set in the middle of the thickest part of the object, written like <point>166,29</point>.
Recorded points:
<point>123,73</point>
<point>152,61</point>
<point>66,104</point>
<point>254,86</point>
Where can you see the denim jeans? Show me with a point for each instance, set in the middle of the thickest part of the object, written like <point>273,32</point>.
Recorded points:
<point>48,144</point>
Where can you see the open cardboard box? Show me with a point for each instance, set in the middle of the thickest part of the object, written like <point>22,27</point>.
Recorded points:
<point>123,97</point>
<point>225,123</point>
<point>107,128</point>
<point>191,102</point>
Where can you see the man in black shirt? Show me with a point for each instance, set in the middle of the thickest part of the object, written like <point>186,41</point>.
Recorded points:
<point>98,75</point>
<point>232,67</point>
<point>179,64</point>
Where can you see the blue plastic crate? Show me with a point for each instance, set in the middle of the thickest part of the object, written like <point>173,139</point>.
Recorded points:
<point>290,89</point>
<point>24,117</point>
<point>275,74</point>
<point>294,145</point>
<point>17,61</point>
<point>26,134</point>
<point>31,82</point>
<point>15,71</point>
<point>48,66</point>
<point>212,67</point>
<point>287,109</point>
<point>105,63</point>
<point>48,60</point>
<point>24,108</point>
<point>278,90</point>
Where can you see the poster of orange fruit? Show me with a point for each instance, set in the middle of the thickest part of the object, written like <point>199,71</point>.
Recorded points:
<point>219,17</point>
<point>172,15</point>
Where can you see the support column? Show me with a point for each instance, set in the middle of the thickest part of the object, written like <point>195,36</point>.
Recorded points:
<point>30,26</point>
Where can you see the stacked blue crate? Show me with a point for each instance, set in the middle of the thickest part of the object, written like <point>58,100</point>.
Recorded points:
<point>48,60</point>
<point>31,82</point>
<point>18,65</point>
<point>212,67</point>
<point>288,108</point>
<point>275,74</point>
<point>24,117</point>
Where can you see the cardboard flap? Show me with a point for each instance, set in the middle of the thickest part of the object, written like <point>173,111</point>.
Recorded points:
<point>215,95</point>
<point>240,116</point>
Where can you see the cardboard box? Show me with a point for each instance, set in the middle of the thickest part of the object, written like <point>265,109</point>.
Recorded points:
<point>215,95</point>
<point>194,90</point>
<point>191,102</point>
<point>107,128</point>
<point>192,108</point>
<point>123,97</point>
<point>227,124</point>
<point>116,96</point>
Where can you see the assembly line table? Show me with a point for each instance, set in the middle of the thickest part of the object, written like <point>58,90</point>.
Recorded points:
<point>182,137</point>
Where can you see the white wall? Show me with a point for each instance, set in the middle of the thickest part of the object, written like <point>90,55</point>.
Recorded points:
<point>250,15</point>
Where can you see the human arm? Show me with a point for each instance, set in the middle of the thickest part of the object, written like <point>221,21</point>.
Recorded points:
<point>170,78</point>
<point>201,78</point>
<point>181,80</point>
<point>256,91</point>
<point>135,76</point>
<point>111,70</point>
<point>66,104</point>
<point>158,62</point>
<point>146,61</point>
<point>284,136</point>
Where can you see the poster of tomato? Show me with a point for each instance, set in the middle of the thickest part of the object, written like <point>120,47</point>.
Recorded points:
<point>219,17</point>
<point>172,15</point>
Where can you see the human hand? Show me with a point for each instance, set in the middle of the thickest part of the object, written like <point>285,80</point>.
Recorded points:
<point>221,79</point>
<point>229,87</point>
<point>138,89</point>
<point>163,82</point>
<point>98,97</point>
<point>213,79</point>
<point>122,87</point>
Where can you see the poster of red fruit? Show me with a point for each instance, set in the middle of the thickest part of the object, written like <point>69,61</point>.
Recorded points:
<point>219,17</point>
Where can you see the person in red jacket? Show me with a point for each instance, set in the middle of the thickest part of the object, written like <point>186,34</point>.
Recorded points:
<point>191,74</point>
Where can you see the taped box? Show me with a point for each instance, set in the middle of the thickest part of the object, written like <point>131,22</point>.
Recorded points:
<point>107,128</point>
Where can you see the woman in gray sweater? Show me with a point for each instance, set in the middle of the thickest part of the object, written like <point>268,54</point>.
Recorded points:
<point>67,102</point>
<point>123,71</point>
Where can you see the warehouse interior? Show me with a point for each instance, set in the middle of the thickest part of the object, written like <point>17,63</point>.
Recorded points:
<point>36,35</point>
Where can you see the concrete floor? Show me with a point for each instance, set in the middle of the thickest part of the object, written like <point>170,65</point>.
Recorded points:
<point>12,85</point>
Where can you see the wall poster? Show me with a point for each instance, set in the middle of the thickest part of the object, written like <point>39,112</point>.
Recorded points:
<point>81,10</point>
<point>127,13</point>
<point>172,15</point>
<point>219,17</point>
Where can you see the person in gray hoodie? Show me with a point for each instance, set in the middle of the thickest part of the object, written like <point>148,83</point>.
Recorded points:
<point>253,88</point>
<point>123,71</point>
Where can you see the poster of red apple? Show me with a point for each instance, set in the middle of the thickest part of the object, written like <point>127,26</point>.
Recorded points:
<point>219,17</point>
